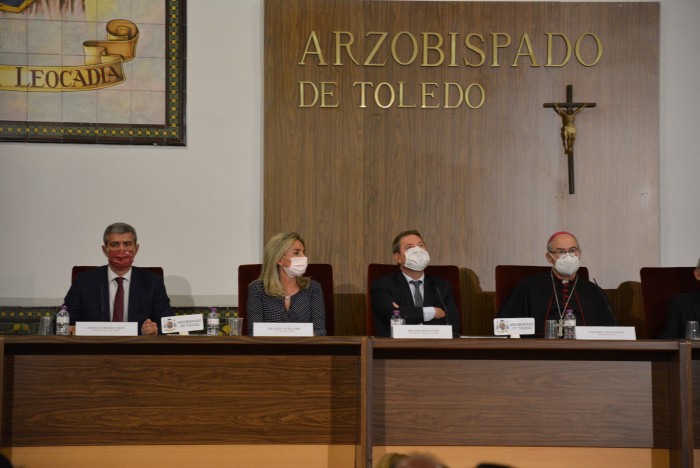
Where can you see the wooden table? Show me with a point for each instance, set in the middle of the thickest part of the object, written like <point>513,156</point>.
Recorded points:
<point>351,396</point>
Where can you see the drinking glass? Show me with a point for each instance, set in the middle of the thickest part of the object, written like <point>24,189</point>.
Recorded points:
<point>45,325</point>
<point>551,331</point>
<point>235,326</point>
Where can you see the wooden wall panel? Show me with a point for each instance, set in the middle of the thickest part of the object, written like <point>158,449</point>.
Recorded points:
<point>485,186</point>
<point>313,156</point>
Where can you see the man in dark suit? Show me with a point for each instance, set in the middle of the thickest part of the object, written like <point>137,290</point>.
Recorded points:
<point>118,291</point>
<point>418,297</point>
<point>682,308</point>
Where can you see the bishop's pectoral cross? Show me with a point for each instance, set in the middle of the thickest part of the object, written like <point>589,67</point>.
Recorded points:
<point>568,110</point>
<point>560,327</point>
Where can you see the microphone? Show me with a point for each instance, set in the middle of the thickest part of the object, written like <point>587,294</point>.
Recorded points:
<point>444,307</point>
<point>605,300</point>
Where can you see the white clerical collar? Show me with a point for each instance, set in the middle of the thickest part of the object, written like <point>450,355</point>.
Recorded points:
<point>562,280</point>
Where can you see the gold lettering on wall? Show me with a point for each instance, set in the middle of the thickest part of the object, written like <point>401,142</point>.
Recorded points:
<point>599,49</point>
<point>320,94</point>
<point>342,45</point>
<point>480,52</point>
<point>567,43</point>
<point>432,49</point>
<point>313,42</point>
<point>525,41</point>
<point>404,47</point>
<point>447,95</point>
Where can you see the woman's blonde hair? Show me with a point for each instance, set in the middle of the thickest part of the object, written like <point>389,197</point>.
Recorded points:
<point>275,249</point>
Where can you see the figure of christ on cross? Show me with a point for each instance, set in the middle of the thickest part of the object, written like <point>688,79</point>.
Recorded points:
<point>568,131</point>
<point>568,110</point>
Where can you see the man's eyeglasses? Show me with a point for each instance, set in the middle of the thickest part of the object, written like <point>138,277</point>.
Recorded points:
<point>560,252</point>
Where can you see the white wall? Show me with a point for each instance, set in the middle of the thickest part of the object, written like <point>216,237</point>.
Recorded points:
<point>680,127</point>
<point>198,209</point>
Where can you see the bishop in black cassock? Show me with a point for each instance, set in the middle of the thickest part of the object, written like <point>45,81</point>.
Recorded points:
<point>535,297</point>
<point>546,296</point>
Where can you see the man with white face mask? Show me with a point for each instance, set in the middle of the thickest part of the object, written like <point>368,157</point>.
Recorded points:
<point>118,291</point>
<point>420,298</point>
<point>547,296</point>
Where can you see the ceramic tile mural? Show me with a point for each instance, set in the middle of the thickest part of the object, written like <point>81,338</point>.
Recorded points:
<point>92,71</point>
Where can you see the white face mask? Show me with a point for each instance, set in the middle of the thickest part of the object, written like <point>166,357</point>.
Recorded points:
<point>567,264</point>
<point>297,267</point>
<point>417,258</point>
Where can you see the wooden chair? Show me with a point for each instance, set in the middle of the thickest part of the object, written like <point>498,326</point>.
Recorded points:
<point>79,269</point>
<point>321,272</point>
<point>659,285</point>
<point>507,276</point>
<point>375,270</point>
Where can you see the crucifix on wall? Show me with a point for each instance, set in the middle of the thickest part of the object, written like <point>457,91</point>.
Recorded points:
<point>568,110</point>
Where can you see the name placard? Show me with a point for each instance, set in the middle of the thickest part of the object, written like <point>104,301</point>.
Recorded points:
<point>182,323</point>
<point>514,326</point>
<point>283,329</point>
<point>423,331</point>
<point>605,333</point>
<point>106,328</point>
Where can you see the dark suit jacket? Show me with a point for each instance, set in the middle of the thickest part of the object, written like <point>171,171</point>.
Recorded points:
<point>88,297</point>
<point>681,309</point>
<point>395,288</point>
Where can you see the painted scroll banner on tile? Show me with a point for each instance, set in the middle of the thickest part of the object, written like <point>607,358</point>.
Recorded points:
<point>103,65</point>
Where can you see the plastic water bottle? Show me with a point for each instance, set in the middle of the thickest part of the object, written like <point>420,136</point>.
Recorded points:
<point>62,321</point>
<point>569,325</point>
<point>396,319</point>
<point>212,322</point>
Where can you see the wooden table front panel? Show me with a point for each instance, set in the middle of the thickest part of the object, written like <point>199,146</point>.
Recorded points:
<point>520,396</point>
<point>111,394</point>
<point>696,395</point>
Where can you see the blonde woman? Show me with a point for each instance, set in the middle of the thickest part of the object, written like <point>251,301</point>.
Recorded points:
<point>282,293</point>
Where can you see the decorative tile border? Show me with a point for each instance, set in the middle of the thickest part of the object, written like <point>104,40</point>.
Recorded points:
<point>25,320</point>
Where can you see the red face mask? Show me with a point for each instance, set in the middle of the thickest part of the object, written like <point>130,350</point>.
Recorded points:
<point>120,259</point>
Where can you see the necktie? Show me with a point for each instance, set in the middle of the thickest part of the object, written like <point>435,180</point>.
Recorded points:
<point>118,315</point>
<point>417,298</point>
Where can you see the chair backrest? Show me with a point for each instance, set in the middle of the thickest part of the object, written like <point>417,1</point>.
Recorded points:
<point>659,284</point>
<point>375,270</point>
<point>321,272</point>
<point>79,269</point>
<point>507,276</point>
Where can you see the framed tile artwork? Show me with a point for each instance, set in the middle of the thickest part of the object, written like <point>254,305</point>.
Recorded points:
<point>93,71</point>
